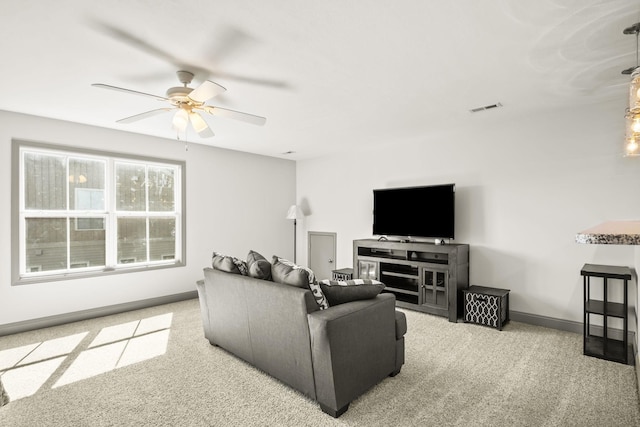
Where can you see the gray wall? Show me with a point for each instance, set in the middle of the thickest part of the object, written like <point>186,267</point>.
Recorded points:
<point>235,202</point>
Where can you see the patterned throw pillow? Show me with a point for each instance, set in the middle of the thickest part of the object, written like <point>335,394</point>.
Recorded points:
<point>259,267</point>
<point>229,264</point>
<point>285,271</point>
<point>4,397</point>
<point>339,292</point>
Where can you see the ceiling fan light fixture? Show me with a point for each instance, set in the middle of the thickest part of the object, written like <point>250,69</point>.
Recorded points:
<point>197,122</point>
<point>187,101</point>
<point>181,119</point>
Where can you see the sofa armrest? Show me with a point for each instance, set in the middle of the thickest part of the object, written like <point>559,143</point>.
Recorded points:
<point>353,347</point>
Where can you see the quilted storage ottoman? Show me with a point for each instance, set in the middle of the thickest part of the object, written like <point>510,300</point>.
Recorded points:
<point>486,306</point>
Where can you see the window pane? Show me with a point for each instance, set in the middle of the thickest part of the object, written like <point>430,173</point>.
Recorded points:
<point>132,240</point>
<point>87,199</point>
<point>130,188</point>
<point>45,182</point>
<point>162,238</point>
<point>46,244</point>
<point>88,248</point>
<point>161,189</point>
<point>86,184</point>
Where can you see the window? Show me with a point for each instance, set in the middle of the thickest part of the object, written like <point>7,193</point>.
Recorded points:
<point>82,212</point>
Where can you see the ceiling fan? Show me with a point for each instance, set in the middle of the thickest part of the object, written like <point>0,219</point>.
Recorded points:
<point>188,103</point>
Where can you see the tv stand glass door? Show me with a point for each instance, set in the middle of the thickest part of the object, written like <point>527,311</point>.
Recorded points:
<point>435,282</point>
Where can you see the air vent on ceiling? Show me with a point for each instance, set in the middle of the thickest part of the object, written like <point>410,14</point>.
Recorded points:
<point>486,107</point>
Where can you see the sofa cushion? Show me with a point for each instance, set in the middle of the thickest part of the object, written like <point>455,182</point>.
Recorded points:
<point>401,324</point>
<point>229,264</point>
<point>286,274</point>
<point>339,292</point>
<point>289,273</point>
<point>259,267</point>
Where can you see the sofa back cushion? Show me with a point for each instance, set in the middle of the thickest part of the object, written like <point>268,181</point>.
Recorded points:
<point>286,273</point>
<point>259,267</point>
<point>229,264</point>
<point>289,273</point>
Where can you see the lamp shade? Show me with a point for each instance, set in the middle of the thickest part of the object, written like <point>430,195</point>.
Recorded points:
<point>180,120</point>
<point>294,212</point>
<point>198,122</point>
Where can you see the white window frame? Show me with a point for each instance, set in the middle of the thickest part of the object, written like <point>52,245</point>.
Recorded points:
<point>23,273</point>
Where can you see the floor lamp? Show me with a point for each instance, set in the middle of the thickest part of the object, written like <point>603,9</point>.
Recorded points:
<point>294,213</point>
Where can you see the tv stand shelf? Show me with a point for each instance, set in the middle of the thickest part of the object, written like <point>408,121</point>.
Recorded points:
<point>423,276</point>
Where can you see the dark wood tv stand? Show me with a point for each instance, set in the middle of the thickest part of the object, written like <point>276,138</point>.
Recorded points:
<point>423,276</point>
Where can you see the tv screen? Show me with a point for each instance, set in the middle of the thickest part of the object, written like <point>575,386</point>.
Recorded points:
<point>426,211</point>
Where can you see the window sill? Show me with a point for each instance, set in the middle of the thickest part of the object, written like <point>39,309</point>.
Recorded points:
<point>107,271</point>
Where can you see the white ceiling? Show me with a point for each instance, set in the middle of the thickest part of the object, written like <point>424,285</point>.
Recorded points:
<point>329,75</point>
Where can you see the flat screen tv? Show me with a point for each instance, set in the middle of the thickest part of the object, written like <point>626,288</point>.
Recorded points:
<point>426,211</point>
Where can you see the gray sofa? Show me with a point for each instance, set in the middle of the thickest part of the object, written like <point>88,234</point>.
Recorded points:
<point>332,356</point>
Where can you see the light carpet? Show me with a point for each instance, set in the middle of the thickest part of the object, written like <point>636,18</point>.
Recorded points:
<point>166,374</point>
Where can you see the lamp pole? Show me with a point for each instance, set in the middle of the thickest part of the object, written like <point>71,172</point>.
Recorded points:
<point>294,240</point>
<point>293,213</point>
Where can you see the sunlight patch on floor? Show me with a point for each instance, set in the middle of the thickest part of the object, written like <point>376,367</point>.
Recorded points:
<point>11,357</point>
<point>27,380</point>
<point>144,348</point>
<point>24,370</point>
<point>120,345</point>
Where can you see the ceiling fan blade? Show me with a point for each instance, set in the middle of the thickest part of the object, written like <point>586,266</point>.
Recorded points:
<point>200,126</point>
<point>141,116</point>
<point>237,115</point>
<point>206,91</point>
<point>135,41</point>
<point>230,40</point>
<point>135,92</point>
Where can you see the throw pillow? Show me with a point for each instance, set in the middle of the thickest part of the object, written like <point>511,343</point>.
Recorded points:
<point>285,271</point>
<point>229,264</point>
<point>4,397</point>
<point>339,292</point>
<point>259,267</point>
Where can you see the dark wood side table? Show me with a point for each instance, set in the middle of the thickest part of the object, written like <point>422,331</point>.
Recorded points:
<point>342,274</point>
<point>486,306</point>
<point>602,346</point>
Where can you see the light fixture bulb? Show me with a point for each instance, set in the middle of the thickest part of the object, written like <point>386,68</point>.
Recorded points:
<point>632,146</point>
<point>181,119</point>
<point>199,124</point>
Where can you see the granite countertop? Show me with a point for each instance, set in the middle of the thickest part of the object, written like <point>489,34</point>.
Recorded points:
<point>611,233</point>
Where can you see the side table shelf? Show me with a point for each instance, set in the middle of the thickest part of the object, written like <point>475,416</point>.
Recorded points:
<point>601,346</point>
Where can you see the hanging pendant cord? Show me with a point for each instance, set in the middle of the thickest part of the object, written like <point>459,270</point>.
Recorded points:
<point>637,31</point>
